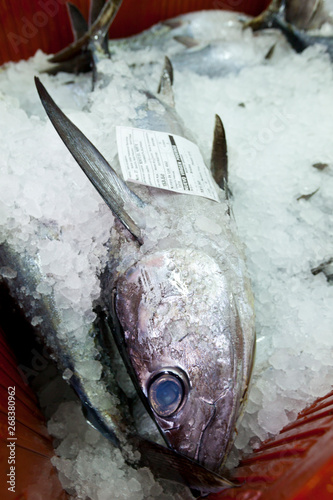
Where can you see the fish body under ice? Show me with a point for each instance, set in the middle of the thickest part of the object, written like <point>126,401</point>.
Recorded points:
<point>205,42</point>
<point>203,26</point>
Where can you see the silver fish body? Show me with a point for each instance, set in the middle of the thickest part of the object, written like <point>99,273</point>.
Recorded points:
<point>219,58</point>
<point>206,43</point>
<point>202,26</point>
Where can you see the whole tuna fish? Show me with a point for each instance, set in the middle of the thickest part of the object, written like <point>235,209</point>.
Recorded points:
<point>176,294</point>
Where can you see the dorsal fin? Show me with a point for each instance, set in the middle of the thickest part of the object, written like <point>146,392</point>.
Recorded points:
<point>219,158</point>
<point>79,24</point>
<point>165,86</point>
<point>111,187</point>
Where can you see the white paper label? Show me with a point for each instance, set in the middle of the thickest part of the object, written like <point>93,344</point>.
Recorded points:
<point>164,161</point>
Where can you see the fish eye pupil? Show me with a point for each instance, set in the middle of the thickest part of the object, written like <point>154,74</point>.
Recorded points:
<point>166,394</point>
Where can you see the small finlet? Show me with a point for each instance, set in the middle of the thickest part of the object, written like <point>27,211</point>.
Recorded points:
<point>165,86</point>
<point>111,187</point>
<point>219,158</point>
<point>79,24</point>
<point>188,41</point>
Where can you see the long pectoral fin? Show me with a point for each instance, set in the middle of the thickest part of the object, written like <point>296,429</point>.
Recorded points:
<point>111,187</point>
<point>168,464</point>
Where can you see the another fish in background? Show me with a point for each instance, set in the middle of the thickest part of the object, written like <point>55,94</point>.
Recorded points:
<point>295,20</point>
<point>206,43</point>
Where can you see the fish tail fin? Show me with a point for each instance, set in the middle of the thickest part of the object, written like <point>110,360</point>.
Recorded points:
<point>78,22</point>
<point>94,39</point>
<point>275,17</point>
<point>298,40</point>
<point>266,19</point>
<point>96,7</point>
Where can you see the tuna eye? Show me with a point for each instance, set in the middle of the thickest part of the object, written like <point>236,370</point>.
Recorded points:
<point>166,394</point>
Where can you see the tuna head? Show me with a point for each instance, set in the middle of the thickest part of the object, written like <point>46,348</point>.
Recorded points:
<point>184,341</point>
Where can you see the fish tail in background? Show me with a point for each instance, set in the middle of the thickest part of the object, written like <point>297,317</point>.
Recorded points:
<point>78,22</point>
<point>82,62</point>
<point>298,40</point>
<point>96,7</point>
<point>292,18</point>
<point>89,39</point>
<point>111,187</point>
<point>265,19</point>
